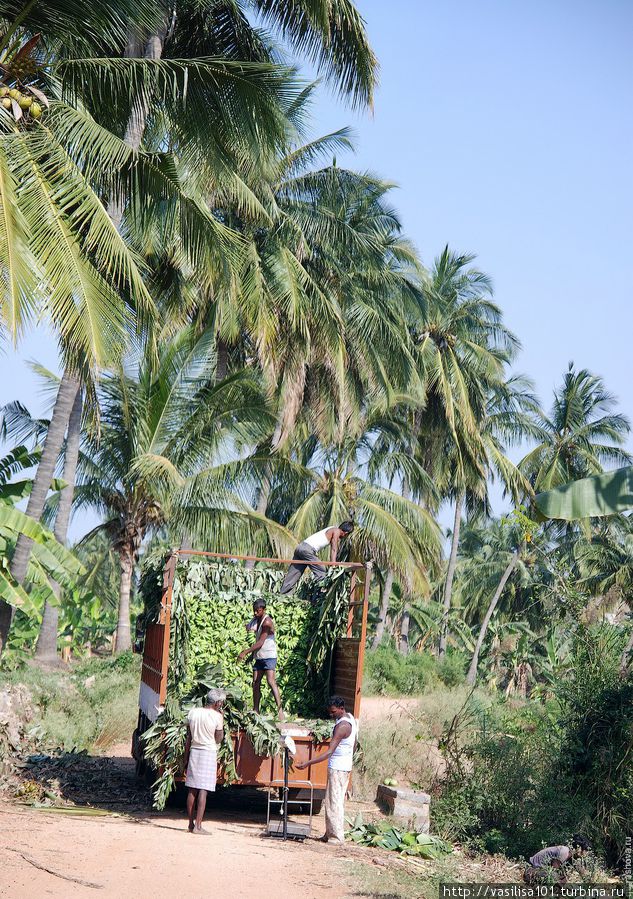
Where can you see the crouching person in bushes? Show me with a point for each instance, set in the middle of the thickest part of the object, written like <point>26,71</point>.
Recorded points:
<point>205,730</point>
<point>552,863</point>
<point>339,755</point>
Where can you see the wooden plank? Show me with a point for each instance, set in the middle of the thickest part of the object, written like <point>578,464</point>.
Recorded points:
<point>355,566</point>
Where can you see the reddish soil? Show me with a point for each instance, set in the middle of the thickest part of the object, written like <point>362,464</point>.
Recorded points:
<point>150,855</point>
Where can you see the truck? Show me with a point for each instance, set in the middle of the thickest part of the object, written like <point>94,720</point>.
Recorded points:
<point>345,664</point>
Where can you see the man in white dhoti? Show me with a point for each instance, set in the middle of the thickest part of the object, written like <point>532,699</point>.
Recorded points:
<point>205,729</point>
<point>340,755</point>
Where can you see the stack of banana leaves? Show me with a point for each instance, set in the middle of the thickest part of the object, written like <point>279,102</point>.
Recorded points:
<point>211,602</point>
<point>387,835</point>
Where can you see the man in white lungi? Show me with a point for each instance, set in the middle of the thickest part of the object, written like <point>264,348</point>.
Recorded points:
<point>306,554</point>
<point>205,730</point>
<point>340,755</point>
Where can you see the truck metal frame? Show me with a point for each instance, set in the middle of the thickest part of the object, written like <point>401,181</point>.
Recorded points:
<point>346,676</point>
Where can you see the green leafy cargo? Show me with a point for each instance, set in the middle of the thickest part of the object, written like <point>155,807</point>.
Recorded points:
<point>212,601</point>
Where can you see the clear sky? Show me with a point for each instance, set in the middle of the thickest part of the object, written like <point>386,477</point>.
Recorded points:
<point>507,126</point>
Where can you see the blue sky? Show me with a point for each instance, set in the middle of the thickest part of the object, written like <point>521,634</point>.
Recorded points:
<point>507,127</point>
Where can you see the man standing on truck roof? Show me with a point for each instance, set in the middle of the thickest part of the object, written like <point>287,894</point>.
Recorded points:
<point>264,650</point>
<point>340,755</point>
<point>205,729</point>
<point>306,554</point>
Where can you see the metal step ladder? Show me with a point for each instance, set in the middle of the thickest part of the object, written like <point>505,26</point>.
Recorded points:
<point>286,829</point>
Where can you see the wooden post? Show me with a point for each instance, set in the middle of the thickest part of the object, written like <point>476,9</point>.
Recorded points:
<point>169,574</point>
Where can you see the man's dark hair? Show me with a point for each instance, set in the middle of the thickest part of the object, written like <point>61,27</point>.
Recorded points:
<point>259,604</point>
<point>580,842</point>
<point>347,527</point>
<point>336,701</point>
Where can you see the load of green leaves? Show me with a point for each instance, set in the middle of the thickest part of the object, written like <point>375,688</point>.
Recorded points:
<point>164,741</point>
<point>211,603</point>
<point>386,835</point>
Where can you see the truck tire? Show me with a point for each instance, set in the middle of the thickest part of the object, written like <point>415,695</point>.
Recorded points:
<point>300,794</point>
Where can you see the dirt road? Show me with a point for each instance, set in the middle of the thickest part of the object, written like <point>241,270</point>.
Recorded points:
<point>153,857</point>
<point>147,855</point>
<point>150,855</point>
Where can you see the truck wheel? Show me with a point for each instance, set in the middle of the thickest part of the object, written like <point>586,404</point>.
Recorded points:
<point>301,794</point>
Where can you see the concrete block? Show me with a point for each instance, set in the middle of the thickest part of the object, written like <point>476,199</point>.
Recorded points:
<point>411,807</point>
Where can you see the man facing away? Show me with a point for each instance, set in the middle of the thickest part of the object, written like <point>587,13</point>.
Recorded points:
<point>306,554</point>
<point>340,756</point>
<point>205,729</point>
<point>264,652</point>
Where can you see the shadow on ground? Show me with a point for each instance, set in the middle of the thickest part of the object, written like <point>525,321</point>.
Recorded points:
<point>110,783</point>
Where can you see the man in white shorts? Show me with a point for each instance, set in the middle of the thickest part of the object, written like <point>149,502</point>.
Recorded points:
<point>306,554</point>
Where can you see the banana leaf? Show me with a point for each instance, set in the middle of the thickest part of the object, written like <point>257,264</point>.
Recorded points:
<point>603,494</point>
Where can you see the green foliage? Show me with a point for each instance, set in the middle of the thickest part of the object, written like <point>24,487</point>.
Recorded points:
<point>451,669</point>
<point>389,673</point>
<point>386,836</point>
<point>212,602</point>
<point>89,707</point>
<point>525,777</point>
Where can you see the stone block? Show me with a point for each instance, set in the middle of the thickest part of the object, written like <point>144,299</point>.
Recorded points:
<point>410,807</point>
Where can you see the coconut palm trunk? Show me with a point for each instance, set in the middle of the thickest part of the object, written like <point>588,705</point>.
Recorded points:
<point>471,677</point>
<point>46,648</point>
<point>45,472</point>
<point>263,494</point>
<point>625,658</point>
<point>123,639</point>
<point>384,608</point>
<point>450,575</point>
<point>406,617</point>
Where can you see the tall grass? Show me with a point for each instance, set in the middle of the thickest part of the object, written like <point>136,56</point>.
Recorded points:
<point>404,744</point>
<point>91,706</point>
<point>388,673</point>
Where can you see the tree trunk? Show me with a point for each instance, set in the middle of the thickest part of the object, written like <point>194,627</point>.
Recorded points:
<point>384,608</point>
<point>404,631</point>
<point>46,649</point>
<point>265,487</point>
<point>66,394</point>
<point>406,618</point>
<point>471,677</point>
<point>138,118</point>
<point>450,574</point>
<point>123,640</point>
<point>625,657</point>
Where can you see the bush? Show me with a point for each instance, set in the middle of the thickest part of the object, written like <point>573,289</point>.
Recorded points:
<point>389,673</point>
<point>91,706</point>
<point>531,776</point>
<point>405,746</point>
<point>451,670</point>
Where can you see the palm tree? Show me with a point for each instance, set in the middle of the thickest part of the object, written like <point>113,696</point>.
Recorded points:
<point>324,484</point>
<point>156,463</point>
<point>493,556</point>
<point>581,434</point>
<point>225,90</point>
<point>464,349</point>
<point>56,233</point>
